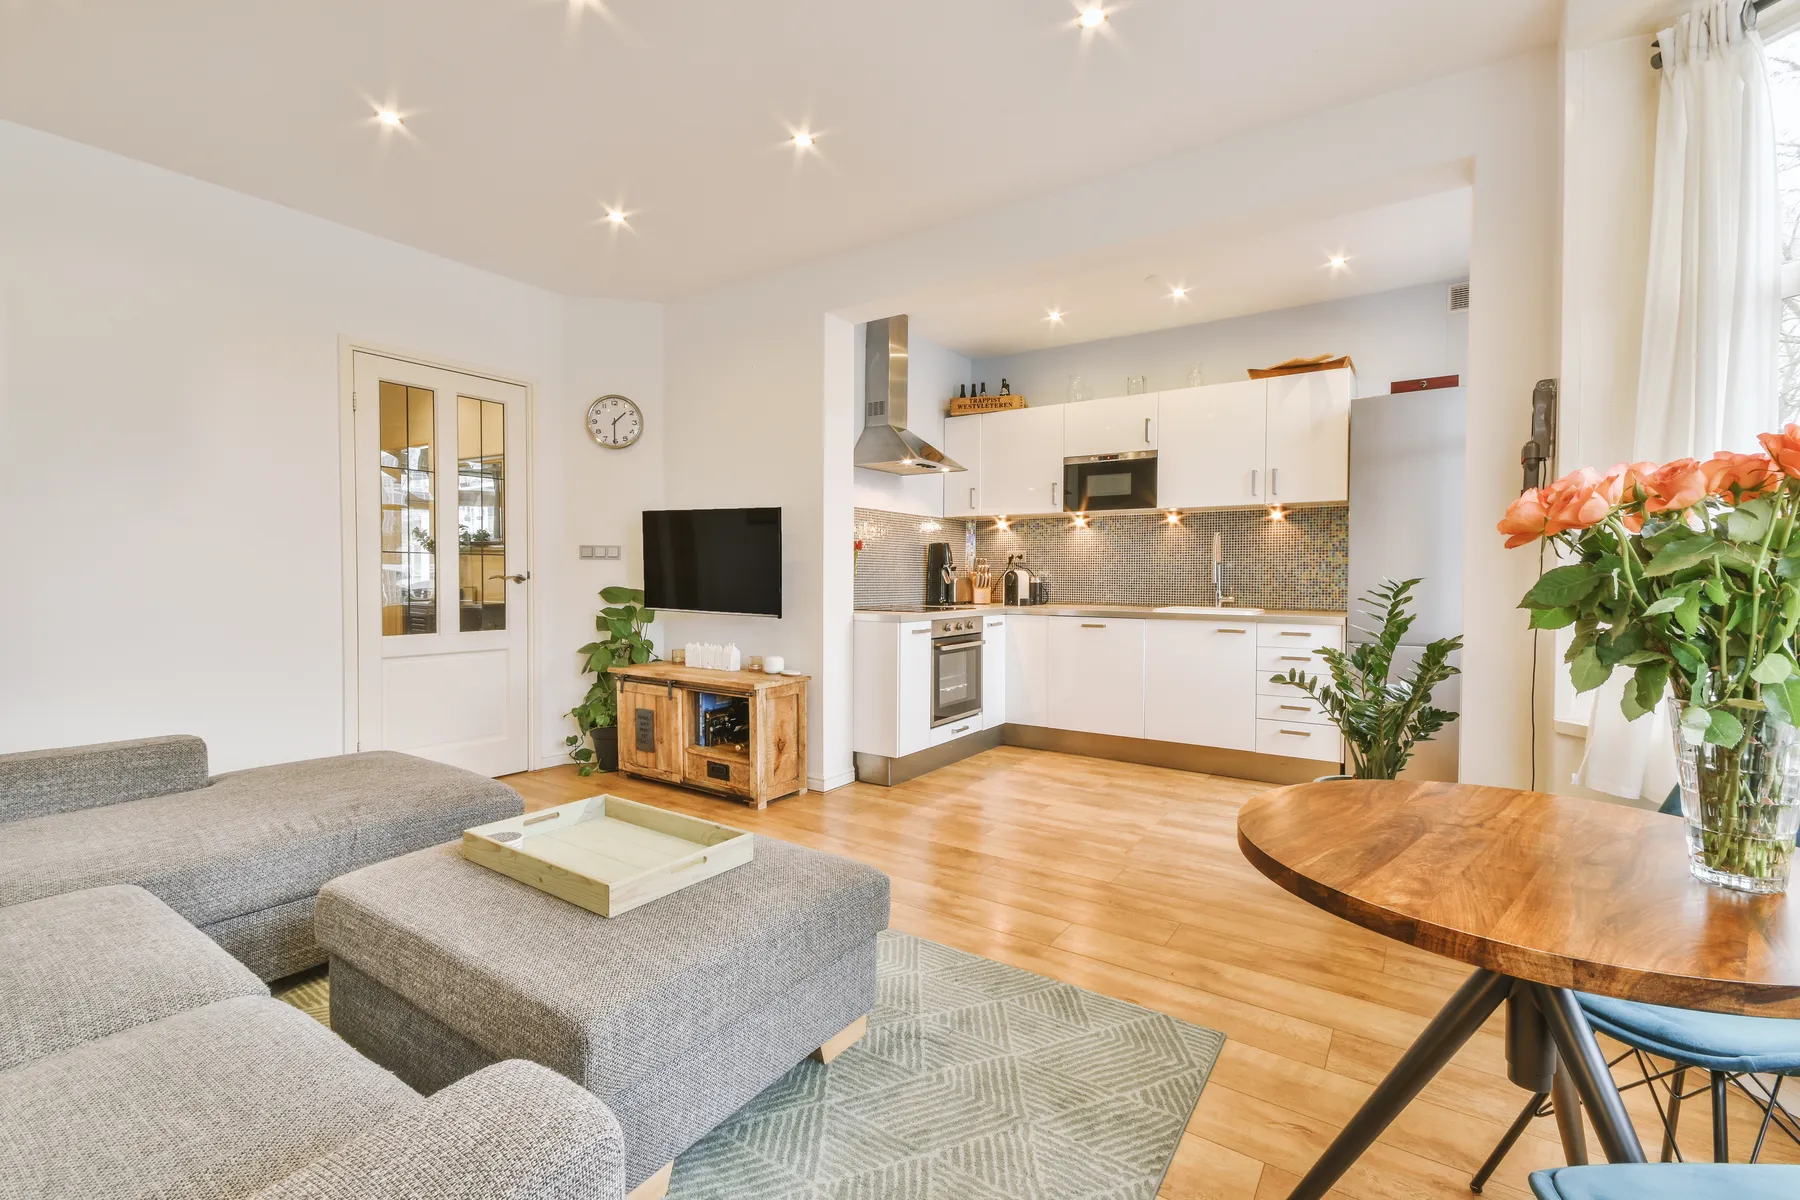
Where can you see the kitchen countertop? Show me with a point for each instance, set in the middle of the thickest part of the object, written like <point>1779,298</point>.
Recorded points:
<point>1140,611</point>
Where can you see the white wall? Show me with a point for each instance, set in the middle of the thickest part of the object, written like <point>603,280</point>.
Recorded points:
<point>169,396</point>
<point>1401,334</point>
<point>748,364</point>
<point>932,376</point>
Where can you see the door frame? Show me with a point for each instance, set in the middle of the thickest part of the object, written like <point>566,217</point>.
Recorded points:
<point>348,347</point>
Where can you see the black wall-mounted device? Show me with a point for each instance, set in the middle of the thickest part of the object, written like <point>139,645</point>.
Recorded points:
<point>1537,454</point>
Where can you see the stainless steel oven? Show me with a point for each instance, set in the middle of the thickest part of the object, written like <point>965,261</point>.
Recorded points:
<point>955,669</point>
<point>1101,481</point>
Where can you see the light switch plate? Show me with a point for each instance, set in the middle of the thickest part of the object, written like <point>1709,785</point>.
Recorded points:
<point>601,552</point>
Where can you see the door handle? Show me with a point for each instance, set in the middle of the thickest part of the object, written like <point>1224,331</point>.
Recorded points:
<point>1293,733</point>
<point>1092,625</point>
<point>971,497</point>
<point>1274,481</point>
<point>1146,431</point>
<point>1253,483</point>
<point>1294,707</point>
<point>1053,494</point>
<point>514,578</point>
<point>1294,658</point>
<point>959,729</point>
<point>1294,633</point>
<point>1231,631</point>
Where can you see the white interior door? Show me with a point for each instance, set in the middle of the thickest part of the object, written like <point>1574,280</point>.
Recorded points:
<point>441,570</point>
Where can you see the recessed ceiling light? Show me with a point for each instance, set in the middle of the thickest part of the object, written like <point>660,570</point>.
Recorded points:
<point>1054,316</point>
<point>616,217</point>
<point>390,118</point>
<point>1178,293</point>
<point>1092,18</point>
<point>1337,262</point>
<point>803,140</point>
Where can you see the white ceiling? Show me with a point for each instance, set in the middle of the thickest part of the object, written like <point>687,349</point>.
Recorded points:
<point>1274,260</point>
<point>525,117</point>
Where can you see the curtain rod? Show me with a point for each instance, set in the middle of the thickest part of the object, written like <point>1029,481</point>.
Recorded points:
<point>1752,8</point>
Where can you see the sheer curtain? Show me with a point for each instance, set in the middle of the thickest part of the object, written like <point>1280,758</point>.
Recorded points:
<point>1712,305</point>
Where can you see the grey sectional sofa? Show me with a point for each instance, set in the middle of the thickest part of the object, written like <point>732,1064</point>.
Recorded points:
<point>241,855</point>
<point>138,1059</point>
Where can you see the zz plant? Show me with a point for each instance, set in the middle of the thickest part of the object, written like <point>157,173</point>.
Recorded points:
<point>1382,718</point>
<point>621,624</point>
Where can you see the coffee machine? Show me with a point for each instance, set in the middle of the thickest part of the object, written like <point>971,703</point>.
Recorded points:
<point>1019,585</point>
<point>940,576</point>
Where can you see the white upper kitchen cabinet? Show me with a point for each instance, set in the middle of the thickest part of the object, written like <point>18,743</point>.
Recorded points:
<point>1213,442</point>
<point>993,671</point>
<point>962,445</point>
<point>1200,683</point>
<point>1021,461</point>
<point>1117,425</point>
<point>1097,675</point>
<point>1027,670</point>
<point>1309,437</point>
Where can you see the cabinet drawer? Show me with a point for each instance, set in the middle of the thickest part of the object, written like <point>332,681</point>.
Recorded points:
<point>1295,705</point>
<point>1290,636</point>
<point>1282,659</point>
<point>950,731</point>
<point>717,772</point>
<point>1294,739</point>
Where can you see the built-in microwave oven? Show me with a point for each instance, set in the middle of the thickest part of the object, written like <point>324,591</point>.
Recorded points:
<point>1095,482</point>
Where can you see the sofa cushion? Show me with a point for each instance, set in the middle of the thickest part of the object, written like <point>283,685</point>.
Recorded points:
<point>253,839</point>
<point>87,964</point>
<point>38,783</point>
<point>526,975</point>
<point>217,1101</point>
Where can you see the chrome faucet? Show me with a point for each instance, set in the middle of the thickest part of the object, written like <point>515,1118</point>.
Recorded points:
<point>1220,599</point>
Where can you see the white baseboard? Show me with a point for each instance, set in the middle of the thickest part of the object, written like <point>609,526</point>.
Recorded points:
<point>830,783</point>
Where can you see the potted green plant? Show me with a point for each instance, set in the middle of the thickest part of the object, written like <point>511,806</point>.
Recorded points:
<point>1382,718</point>
<point>621,624</point>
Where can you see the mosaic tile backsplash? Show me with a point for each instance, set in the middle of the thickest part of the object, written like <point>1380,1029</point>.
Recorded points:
<point>1299,563</point>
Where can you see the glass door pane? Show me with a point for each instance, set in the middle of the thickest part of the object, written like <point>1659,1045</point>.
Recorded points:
<point>408,530</point>
<point>481,513</point>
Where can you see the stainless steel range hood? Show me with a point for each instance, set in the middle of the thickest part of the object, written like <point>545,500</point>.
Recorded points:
<point>886,443</point>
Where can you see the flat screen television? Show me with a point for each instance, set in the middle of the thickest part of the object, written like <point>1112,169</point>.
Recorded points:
<point>723,560</point>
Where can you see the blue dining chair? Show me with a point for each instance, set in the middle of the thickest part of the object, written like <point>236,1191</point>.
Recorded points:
<point>1672,1181</point>
<point>1726,1047</point>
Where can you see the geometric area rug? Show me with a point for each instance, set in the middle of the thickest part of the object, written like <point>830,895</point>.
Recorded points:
<point>976,1081</point>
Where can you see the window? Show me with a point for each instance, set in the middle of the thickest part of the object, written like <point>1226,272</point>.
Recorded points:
<point>1783,52</point>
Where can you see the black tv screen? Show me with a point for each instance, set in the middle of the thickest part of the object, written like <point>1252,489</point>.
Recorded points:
<point>723,560</point>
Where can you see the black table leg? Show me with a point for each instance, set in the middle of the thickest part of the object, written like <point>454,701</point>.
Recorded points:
<point>1592,1077</point>
<point>1473,1003</point>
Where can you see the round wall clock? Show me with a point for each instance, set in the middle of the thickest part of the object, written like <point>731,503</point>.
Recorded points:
<point>615,422</point>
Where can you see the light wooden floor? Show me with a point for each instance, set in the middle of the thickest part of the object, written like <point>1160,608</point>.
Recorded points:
<point>1127,880</point>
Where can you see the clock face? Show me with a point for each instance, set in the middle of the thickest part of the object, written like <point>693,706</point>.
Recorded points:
<point>614,422</point>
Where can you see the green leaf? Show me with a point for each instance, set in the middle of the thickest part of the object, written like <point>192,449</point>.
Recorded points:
<point>1587,672</point>
<point>1773,669</point>
<point>620,627</point>
<point>621,595</point>
<point>1678,556</point>
<point>1694,724</point>
<point>1646,689</point>
<point>1715,590</point>
<point>1725,729</point>
<point>1551,618</point>
<point>1783,699</point>
<point>616,614</point>
<point>640,655</point>
<point>1688,615</point>
<point>1668,603</point>
<point>1621,643</point>
<point>1561,587</point>
<point>1747,522</point>
<point>1689,658</point>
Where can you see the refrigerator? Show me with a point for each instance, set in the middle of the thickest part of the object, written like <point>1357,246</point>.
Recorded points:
<point>1406,522</point>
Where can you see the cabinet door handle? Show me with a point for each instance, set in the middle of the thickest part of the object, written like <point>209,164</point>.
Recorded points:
<point>1253,483</point>
<point>1294,658</point>
<point>1294,707</point>
<point>1053,494</point>
<point>971,497</point>
<point>1294,633</point>
<point>1093,625</point>
<point>1293,733</point>
<point>1274,481</point>
<point>995,624</point>
<point>917,632</point>
<point>959,729</point>
<point>1146,431</point>
<point>1231,631</point>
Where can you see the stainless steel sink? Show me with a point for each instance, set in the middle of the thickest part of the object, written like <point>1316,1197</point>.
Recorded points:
<point>1200,610</point>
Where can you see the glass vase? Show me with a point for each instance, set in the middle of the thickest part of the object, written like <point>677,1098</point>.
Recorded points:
<point>1741,803</point>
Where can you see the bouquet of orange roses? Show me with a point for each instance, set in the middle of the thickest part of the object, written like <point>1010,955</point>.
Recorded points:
<point>1687,574</point>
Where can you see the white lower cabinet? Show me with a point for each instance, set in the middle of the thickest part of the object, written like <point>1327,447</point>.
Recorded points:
<point>1199,685</point>
<point>1097,675</point>
<point>993,672</point>
<point>1027,670</point>
<point>915,686</point>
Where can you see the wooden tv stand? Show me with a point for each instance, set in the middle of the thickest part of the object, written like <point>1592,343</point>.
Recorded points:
<point>737,733</point>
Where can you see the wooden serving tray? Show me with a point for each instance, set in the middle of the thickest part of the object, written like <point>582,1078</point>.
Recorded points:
<point>607,854</point>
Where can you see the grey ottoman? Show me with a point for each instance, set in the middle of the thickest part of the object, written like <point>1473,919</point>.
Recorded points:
<point>675,1014</point>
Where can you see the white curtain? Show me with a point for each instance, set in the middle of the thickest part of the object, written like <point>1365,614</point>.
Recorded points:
<point>1712,305</point>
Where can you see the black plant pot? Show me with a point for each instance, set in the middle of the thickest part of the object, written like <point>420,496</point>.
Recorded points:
<point>606,747</point>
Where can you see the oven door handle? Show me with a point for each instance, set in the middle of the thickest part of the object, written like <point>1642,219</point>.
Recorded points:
<point>966,644</point>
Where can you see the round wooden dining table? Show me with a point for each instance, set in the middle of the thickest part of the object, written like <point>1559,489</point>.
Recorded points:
<point>1544,896</point>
